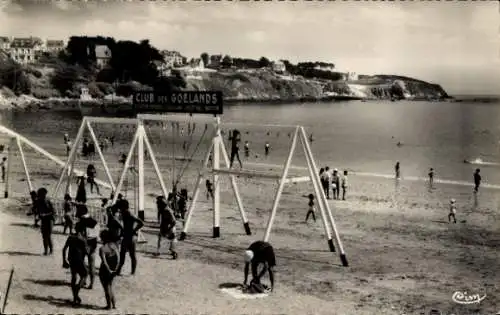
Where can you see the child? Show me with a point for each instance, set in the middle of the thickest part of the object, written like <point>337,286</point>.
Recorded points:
<point>68,221</point>
<point>344,185</point>
<point>311,208</point>
<point>267,148</point>
<point>109,254</point>
<point>210,191</point>
<point>247,149</point>
<point>167,230</point>
<point>453,211</point>
<point>76,248</point>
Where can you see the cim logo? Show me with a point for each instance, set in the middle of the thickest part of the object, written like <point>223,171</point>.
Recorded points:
<point>465,298</point>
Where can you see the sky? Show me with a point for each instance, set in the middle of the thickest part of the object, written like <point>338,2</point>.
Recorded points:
<point>455,44</point>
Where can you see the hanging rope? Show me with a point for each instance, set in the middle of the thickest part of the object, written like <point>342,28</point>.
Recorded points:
<point>188,161</point>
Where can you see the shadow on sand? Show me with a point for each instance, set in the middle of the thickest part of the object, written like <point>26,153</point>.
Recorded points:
<point>24,224</point>
<point>229,285</point>
<point>49,282</point>
<point>18,253</point>
<point>59,302</point>
<point>154,256</point>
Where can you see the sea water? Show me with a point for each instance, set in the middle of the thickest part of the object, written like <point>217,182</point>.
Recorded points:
<point>354,135</point>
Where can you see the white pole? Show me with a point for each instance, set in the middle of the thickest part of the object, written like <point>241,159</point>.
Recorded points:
<point>101,156</point>
<point>321,202</point>
<point>140,160</point>
<point>25,166</point>
<point>235,190</point>
<point>216,164</point>
<point>155,164</point>
<point>9,168</point>
<point>281,185</point>
<point>71,157</point>
<point>343,257</point>
<point>126,166</point>
<point>196,194</point>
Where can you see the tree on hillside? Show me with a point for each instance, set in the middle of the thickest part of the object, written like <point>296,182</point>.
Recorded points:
<point>227,61</point>
<point>204,56</point>
<point>81,49</point>
<point>13,77</point>
<point>64,79</point>
<point>264,62</point>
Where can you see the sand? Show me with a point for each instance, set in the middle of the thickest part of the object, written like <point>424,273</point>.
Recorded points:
<point>405,258</point>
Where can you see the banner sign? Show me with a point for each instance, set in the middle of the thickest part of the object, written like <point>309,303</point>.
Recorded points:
<point>192,102</point>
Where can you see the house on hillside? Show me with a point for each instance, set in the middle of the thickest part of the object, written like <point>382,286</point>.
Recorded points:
<point>214,61</point>
<point>54,46</point>
<point>172,58</point>
<point>278,66</point>
<point>102,55</point>
<point>24,50</point>
<point>4,43</point>
<point>197,64</point>
<point>163,69</point>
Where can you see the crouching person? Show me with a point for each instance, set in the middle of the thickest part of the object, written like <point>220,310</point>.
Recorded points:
<point>258,254</point>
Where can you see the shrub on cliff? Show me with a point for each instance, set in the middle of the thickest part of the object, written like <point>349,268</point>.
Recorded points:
<point>64,79</point>
<point>14,77</point>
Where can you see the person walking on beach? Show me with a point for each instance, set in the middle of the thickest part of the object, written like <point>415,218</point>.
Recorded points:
<point>235,139</point>
<point>477,180</point>
<point>267,148</point>
<point>397,170</point>
<point>110,261</point>
<point>46,213</point>
<point>210,190</point>
<point>68,220</point>
<point>73,254</point>
<point>335,184</point>
<point>344,185</point>
<point>453,211</point>
<point>311,208</point>
<point>431,178</point>
<point>167,230</point>
<point>259,253</point>
<point>131,227</point>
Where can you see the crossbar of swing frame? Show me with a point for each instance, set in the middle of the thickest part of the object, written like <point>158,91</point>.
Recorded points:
<point>207,119</point>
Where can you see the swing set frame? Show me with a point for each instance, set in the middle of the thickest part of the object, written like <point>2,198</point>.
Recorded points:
<point>141,142</point>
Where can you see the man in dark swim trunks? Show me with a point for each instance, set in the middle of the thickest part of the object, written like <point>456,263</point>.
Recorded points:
<point>259,253</point>
<point>76,248</point>
<point>131,226</point>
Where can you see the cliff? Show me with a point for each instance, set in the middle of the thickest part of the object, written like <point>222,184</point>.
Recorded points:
<point>261,85</point>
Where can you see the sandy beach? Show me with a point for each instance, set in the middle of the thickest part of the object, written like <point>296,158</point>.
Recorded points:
<point>405,258</point>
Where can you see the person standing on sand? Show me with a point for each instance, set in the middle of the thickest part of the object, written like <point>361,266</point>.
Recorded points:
<point>311,208</point>
<point>34,209</point>
<point>344,185</point>
<point>210,190</point>
<point>161,205</point>
<point>3,163</point>
<point>235,139</point>
<point>68,221</point>
<point>335,184</point>
<point>477,180</point>
<point>431,178</point>
<point>131,227</point>
<point>91,174</point>
<point>247,149</point>
<point>110,261</point>
<point>259,253</point>
<point>81,193</point>
<point>46,213</point>
<point>453,211</point>
<point>73,254</point>
<point>397,170</point>
<point>91,233</point>
<point>326,179</point>
<point>267,148</point>
<point>167,230</point>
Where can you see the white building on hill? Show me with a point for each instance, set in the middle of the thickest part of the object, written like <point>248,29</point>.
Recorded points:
<point>103,55</point>
<point>54,46</point>
<point>24,50</point>
<point>172,58</point>
<point>5,43</point>
<point>279,66</point>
